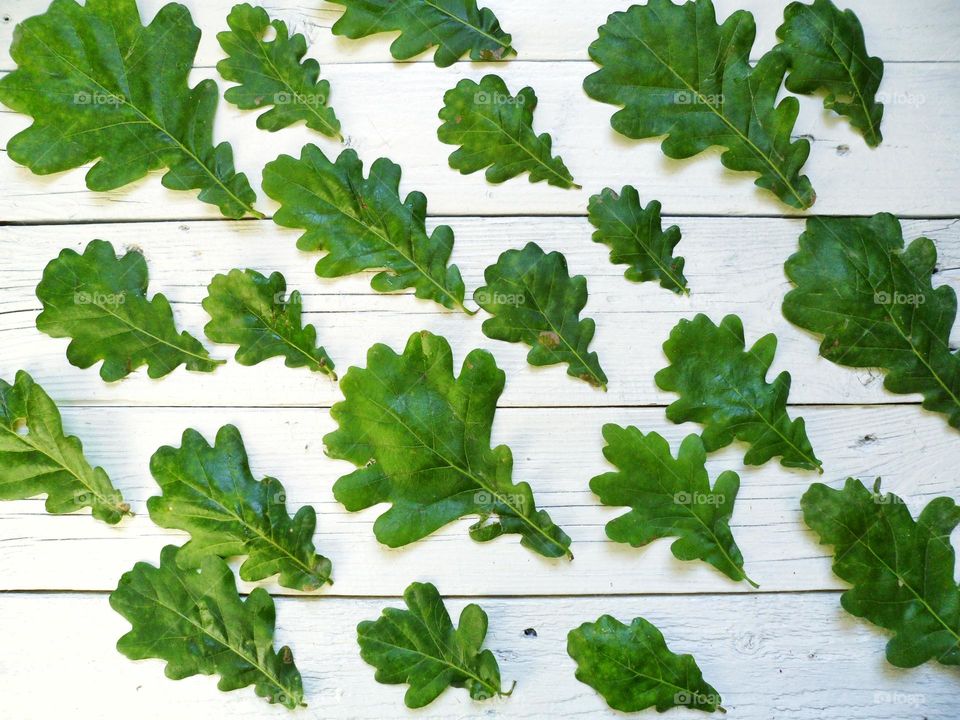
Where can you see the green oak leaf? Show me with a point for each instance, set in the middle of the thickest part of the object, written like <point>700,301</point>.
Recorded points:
<point>874,304</point>
<point>363,224</point>
<point>633,669</point>
<point>36,457</point>
<point>454,27</point>
<point>254,312</point>
<point>677,73</point>
<point>99,300</point>
<point>197,622</point>
<point>534,300</point>
<point>494,130</point>
<point>270,73</point>
<point>421,647</point>
<point>901,569</point>
<point>825,49</point>
<point>101,86</point>
<point>670,498</point>
<point>210,493</point>
<point>723,387</point>
<point>420,438</point>
<point>636,238</point>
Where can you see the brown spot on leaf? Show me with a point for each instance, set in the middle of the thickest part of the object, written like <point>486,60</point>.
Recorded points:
<point>549,339</point>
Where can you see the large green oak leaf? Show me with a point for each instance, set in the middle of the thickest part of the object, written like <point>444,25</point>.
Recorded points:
<point>633,669</point>
<point>675,72</point>
<point>670,497</point>
<point>363,224</point>
<point>421,647</point>
<point>723,386</point>
<point>420,438</point>
<point>197,622</point>
<point>875,306</point>
<point>901,570</point>
<point>454,27</point>
<point>209,492</point>
<point>37,457</point>
<point>100,301</point>
<point>101,86</point>
<point>270,73</point>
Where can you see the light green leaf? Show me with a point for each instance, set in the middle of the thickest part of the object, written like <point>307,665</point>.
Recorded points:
<point>534,300</point>
<point>99,300</point>
<point>636,238</point>
<point>901,569</point>
<point>875,306</point>
<point>633,669</point>
<point>723,386</point>
<point>254,312</point>
<point>36,457</point>
<point>677,73</point>
<point>210,493</point>
<point>421,647</point>
<point>197,622</point>
<point>455,27</point>
<point>270,73</point>
<point>101,86</point>
<point>420,438</point>
<point>494,130</point>
<point>670,498</point>
<point>362,223</point>
<point>825,50</point>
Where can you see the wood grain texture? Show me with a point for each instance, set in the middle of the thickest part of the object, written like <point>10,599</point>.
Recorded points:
<point>782,657</point>
<point>912,173</point>
<point>735,265</point>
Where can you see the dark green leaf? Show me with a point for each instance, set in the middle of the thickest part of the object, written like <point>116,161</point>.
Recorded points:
<point>494,130</point>
<point>269,73</point>
<point>636,238</point>
<point>901,569</point>
<point>254,312</point>
<point>825,50</point>
<point>874,304</point>
<point>632,668</point>
<point>420,438</point>
<point>723,387</point>
<point>197,622</point>
<point>421,647</point>
<point>534,300</point>
<point>36,457</point>
<point>676,72</point>
<point>99,300</point>
<point>100,86</point>
<point>210,493</point>
<point>363,224</point>
<point>670,498</point>
<point>453,26</point>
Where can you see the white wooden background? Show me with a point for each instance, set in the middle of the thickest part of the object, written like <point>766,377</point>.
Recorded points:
<point>785,652</point>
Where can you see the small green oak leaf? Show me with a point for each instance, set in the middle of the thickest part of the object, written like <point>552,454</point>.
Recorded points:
<point>209,492</point>
<point>100,301</point>
<point>420,646</point>
<point>197,622</point>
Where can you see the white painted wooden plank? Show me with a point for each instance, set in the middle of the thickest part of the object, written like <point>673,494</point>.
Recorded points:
<point>553,29</point>
<point>391,110</point>
<point>557,452</point>
<point>789,657</point>
<point>734,266</point>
